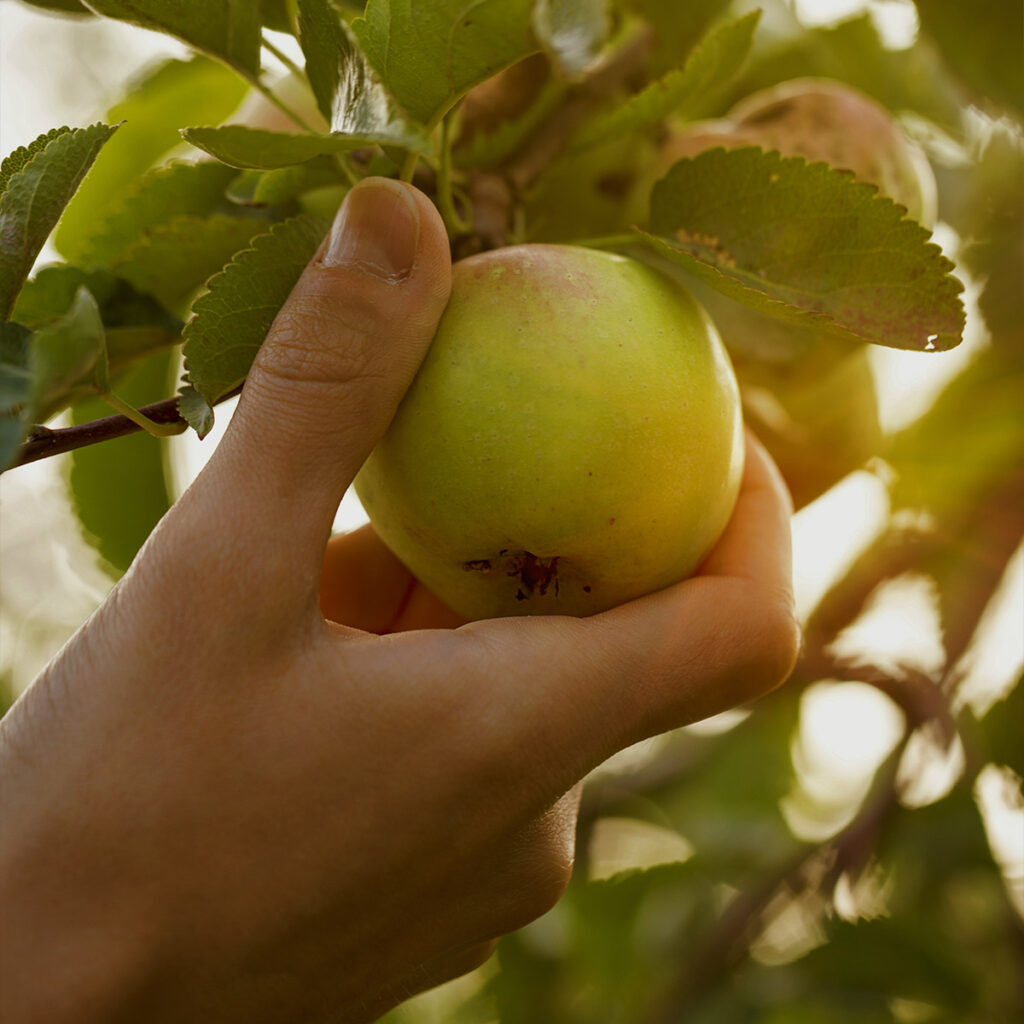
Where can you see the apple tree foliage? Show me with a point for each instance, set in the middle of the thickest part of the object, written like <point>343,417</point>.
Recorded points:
<point>182,226</point>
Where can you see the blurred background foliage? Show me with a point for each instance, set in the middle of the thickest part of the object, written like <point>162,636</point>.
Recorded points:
<point>851,849</point>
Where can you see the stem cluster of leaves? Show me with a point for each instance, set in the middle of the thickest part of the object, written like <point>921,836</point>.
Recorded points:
<point>391,84</point>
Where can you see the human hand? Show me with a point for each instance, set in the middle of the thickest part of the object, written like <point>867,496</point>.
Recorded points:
<point>223,804</point>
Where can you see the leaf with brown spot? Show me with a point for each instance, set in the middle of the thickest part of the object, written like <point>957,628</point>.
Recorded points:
<point>808,244</point>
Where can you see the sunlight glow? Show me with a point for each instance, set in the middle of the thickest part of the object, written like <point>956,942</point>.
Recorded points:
<point>41,539</point>
<point>994,660</point>
<point>831,532</point>
<point>846,731</point>
<point>895,20</point>
<point>908,383</point>
<point>899,627</point>
<point>930,766</point>
<point>793,928</point>
<point>866,897</point>
<point>1000,798</point>
<point>623,844</point>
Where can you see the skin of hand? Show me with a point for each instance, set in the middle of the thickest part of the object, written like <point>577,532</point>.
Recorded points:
<point>266,783</point>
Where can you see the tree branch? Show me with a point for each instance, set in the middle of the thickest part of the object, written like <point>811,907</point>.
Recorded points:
<point>43,442</point>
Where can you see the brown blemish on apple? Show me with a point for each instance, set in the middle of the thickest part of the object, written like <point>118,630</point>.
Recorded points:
<point>536,576</point>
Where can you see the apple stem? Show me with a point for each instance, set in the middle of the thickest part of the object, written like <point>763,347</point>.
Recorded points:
<point>409,167</point>
<point>142,420</point>
<point>456,224</point>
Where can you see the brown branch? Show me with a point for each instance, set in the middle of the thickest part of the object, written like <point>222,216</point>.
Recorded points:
<point>618,70</point>
<point>728,943</point>
<point>43,443</point>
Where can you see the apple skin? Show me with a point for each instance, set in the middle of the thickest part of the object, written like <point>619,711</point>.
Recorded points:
<point>572,440</point>
<point>822,119</point>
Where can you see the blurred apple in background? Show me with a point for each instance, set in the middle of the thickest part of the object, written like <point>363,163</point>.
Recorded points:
<point>809,397</point>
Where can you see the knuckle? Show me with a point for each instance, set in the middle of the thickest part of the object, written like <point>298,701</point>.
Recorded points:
<point>311,343</point>
<point>536,882</point>
<point>777,643</point>
<point>540,895</point>
<point>785,638</point>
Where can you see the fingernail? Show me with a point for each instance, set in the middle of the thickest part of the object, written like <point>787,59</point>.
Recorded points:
<point>377,229</point>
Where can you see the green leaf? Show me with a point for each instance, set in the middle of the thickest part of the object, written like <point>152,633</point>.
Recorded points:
<point>987,207</point>
<point>808,244</point>
<point>981,42</point>
<point>18,158</point>
<point>429,55</point>
<point>195,410</point>
<point>572,32</point>
<point>233,317</point>
<point>119,488</point>
<point>274,188</point>
<point>35,198</point>
<point>135,324</point>
<point>598,191</point>
<point>68,358</point>
<point>226,29</point>
<point>173,260</point>
<point>977,424</point>
<point>678,27</point>
<point>175,190</point>
<point>256,149</point>
<point>50,294</point>
<point>327,49</point>
<point>603,955</point>
<point>176,94</point>
<point>348,91</point>
<point>1002,730</point>
<point>276,15</point>
<point>15,388</point>
<point>894,959</point>
<point>718,57</point>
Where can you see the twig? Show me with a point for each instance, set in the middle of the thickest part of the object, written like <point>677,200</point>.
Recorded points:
<point>728,943</point>
<point>283,107</point>
<point>551,138</point>
<point>44,442</point>
<point>282,57</point>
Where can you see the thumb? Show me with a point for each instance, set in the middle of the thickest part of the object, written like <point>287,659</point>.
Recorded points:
<point>334,366</point>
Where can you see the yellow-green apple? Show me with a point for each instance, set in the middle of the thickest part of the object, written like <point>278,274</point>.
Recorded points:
<point>572,440</point>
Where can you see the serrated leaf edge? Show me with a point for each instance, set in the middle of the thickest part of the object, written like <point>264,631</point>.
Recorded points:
<point>236,261</point>
<point>944,264</point>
